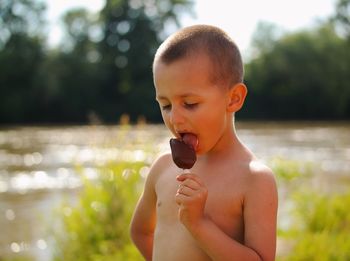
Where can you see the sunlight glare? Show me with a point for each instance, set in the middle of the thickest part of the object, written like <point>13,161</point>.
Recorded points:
<point>10,214</point>
<point>41,244</point>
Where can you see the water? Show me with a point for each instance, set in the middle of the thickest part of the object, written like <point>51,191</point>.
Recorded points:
<point>38,167</point>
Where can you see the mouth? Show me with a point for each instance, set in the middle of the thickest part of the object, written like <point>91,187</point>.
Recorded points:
<point>190,139</point>
<point>180,135</point>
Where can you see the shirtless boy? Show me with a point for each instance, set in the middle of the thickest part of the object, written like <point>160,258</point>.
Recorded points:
<point>226,207</point>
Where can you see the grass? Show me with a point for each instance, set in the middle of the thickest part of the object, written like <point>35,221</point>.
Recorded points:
<point>320,221</point>
<point>96,227</point>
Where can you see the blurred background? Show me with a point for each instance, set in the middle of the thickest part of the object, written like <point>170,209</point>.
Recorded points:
<point>79,125</point>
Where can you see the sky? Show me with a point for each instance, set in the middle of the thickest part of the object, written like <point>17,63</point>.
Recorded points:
<point>238,18</point>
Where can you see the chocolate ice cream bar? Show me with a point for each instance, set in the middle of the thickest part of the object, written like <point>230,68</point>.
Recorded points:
<point>184,155</point>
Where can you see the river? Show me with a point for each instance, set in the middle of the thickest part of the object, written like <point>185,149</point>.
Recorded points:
<point>38,163</point>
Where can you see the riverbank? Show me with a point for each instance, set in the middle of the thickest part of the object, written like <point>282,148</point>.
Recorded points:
<point>40,166</point>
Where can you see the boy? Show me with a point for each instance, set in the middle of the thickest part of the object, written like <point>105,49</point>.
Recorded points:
<point>226,207</point>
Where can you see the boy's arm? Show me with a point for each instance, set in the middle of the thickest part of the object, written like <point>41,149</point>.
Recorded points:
<point>260,214</point>
<point>260,211</point>
<point>144,219</point>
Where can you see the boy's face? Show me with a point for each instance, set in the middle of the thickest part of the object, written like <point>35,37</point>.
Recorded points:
<point>189,102</point>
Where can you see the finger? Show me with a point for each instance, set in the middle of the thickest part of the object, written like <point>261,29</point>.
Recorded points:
<point>189,196</point>
<point>190,183</point>
<point>180,199</point>
<point>186,191</point>
<point>191,176</point>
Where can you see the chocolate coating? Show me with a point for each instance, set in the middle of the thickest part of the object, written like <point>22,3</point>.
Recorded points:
<point>184,156</point>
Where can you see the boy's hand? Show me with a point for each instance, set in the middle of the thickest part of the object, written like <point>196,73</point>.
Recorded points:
<point>191,197</point>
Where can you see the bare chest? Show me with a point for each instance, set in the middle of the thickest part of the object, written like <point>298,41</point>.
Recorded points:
<point>224,204</point>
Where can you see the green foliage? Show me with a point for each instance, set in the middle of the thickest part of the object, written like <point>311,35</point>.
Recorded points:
<point>303,74</point>
<point>103,66</point>
<point>342,17</point>
<point>96,228</point>
<point>322,213</point>
<point>20,17</point>
<point>20,63</point>
<point>288,170</point>
<point>319,224</point>
<point>321,229</point>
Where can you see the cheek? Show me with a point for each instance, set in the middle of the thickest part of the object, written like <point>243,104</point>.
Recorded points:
<point>217,125</point>
<point>214,115</point>
<point>167,122</point>
<point>215,122</point>
<point>165,119</point>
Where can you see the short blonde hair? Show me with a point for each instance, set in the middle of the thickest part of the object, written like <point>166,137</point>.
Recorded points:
<point>223,53</point>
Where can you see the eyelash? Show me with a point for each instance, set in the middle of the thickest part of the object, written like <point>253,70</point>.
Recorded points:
<point>166,107</point>
<point>190,105</point>
<point>186,105</point>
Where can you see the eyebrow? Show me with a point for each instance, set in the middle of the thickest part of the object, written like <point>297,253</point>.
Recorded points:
<point>160,98</point>
<point>188,94</point>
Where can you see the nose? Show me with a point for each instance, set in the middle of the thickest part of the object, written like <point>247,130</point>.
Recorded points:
<point>176,117</point>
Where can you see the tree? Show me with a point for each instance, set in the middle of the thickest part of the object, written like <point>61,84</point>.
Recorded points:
<point>20,17</point>
<point>104,66</point>
<point>266,34</point>
<point>132,33</point>
<point>342,17</point>
<point>73,82</point>
<point>21,57</point>
<point>304,75</point>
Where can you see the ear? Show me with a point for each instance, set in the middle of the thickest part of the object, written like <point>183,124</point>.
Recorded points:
<point>236,97</point>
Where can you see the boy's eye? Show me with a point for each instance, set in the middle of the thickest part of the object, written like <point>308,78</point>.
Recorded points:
<point>166,107</point>
<point>190,105</point>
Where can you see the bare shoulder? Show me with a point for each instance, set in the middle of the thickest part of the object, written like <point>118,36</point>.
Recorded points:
<point>255,172</point>
<point>261,188</point>
<point>158,167</point>
<point>162,159</point>
<point>260,174</point>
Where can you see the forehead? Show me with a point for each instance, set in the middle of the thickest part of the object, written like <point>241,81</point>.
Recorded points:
<point>183,77</point>
<point>187,69</point>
